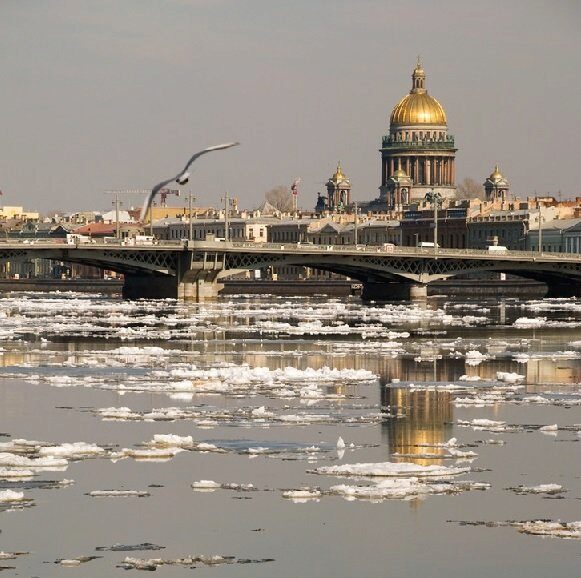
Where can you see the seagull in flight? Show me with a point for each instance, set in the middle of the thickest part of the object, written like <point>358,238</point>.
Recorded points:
<point>182,177</point>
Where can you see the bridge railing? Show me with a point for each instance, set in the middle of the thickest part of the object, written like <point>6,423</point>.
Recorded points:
<point>384,249</point>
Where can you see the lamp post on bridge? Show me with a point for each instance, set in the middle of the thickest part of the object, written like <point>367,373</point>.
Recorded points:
<point>435,199</point>
<point>191,199</point>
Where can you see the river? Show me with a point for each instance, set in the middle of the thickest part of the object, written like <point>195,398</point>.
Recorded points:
<point>289,437</point>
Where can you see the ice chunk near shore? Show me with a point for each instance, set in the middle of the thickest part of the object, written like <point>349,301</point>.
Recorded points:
<point>390,469</point>
<point>549,429</point>
<point>508,377</point>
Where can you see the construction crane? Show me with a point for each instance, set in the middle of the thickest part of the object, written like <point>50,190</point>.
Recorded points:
<point>295,193</point>
<point>164,193</point>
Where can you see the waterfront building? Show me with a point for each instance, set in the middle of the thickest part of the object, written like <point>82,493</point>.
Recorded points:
<point>572,238</point>
<point>239,229</point>
<point>557,236</point>
<point>417,225</point>
<point>507,228</point>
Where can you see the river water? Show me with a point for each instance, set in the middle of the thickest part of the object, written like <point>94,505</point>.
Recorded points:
<point>289,437</point>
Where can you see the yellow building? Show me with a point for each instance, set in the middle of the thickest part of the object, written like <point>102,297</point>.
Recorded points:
<point>17,213</point>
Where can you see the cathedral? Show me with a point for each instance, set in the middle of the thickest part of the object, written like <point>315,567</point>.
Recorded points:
<point>417,156</point>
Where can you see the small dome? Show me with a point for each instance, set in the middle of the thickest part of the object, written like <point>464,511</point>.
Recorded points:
<point>399,174</point>
<point>496,175</point>
<point>339,177</point>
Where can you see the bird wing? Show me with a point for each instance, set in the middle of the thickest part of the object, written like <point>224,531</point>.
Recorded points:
<point>155,190</point>
<point>209,149</point>
<point>149,199</point>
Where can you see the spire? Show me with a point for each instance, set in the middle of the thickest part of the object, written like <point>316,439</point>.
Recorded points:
<point>418,79</point>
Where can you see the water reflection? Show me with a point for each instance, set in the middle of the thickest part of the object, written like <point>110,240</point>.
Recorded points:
<point>417,421</point>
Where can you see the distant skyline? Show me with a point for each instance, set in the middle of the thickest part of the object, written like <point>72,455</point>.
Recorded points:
<point>106,94</point>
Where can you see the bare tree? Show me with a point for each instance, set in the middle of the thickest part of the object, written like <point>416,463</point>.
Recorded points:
<point>469,189</point>
<point>281,198</point>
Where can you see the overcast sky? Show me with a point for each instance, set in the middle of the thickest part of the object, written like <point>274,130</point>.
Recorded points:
<point>116,94</point>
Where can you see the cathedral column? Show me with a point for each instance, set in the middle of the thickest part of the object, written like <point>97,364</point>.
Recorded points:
<point>407,166</point>
<point>428,170</point>
<point>453,178</point>
<point>391,171</point>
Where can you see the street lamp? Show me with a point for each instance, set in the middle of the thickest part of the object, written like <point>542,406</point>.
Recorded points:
<point>435,199</point>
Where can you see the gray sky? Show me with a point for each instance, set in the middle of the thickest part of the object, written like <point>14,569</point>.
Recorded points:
<point>116,94</point>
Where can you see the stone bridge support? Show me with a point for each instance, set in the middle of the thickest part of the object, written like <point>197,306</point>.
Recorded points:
<point>192,281</point>
<point>394,291</point>
<point>198,288</point>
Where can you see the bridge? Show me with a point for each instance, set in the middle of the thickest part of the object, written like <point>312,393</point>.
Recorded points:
<point>194,270</point>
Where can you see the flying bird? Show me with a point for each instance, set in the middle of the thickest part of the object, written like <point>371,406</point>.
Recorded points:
<point>182,177</point>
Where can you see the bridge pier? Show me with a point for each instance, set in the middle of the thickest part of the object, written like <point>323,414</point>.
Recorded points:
<point>564,289</point>
<point>394,291</point>
<point>167,287</point>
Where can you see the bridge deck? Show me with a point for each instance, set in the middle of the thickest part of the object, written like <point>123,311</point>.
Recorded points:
<point>41,245</point>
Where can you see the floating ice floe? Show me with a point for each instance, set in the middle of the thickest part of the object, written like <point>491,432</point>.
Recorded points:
<point>567,530</point>
<point>550,489</point>
<point>530,322</point>
<point>10,474</point>
<point>119,494</point>
<point>551,429</point>
<point>171,440</point>
<point>72,451</point>
<point>11,496</point>
<point>206,485</point>
<point>151,564</point>
<point>483,424</point>
<point>47,463</point>
<point>403,489</point>
<point>152,455</point>
<point>391,469</point>
<point>72,562</point>
<point>302,495</point>
<point>11,555</point>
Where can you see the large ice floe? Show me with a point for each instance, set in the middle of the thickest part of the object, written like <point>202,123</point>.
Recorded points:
<point>391,470</point>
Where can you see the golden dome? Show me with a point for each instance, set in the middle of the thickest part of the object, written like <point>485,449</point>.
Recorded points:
<point>496,175</point>
<point>418,107</point>
<point>339,176</point>
<point>399,174</point>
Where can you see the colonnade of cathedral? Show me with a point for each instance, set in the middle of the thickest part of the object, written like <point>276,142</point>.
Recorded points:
<point>424,170</point>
